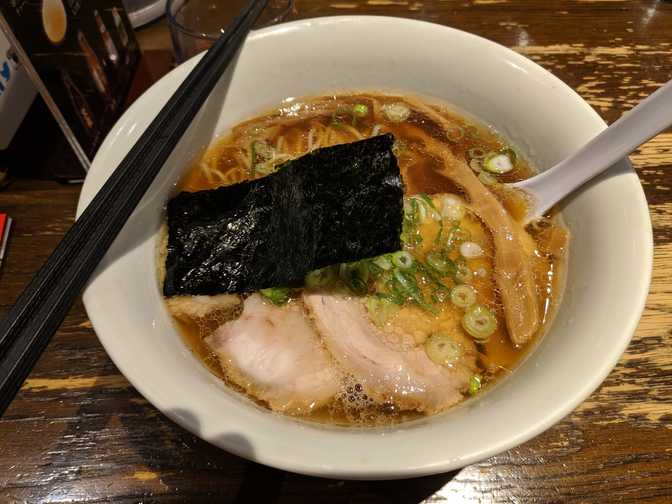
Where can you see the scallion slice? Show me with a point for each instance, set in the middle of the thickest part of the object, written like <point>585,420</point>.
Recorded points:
<point>277,295</point>
<point>479,322</point>
<point>440,264</point>
<point>487,179</point>
<point>355,276</point>
<point>323,277</point>
<point>453,209</point>
<point>463,296</point>
<point>408,286</point>
<point>396,112</point>
<point>443,350</point>
<point>383,262</point>
<point>402,260</point>
<point>463,273</point>
<point>476,165</point>
<point>431,208</point>
<point>360,110</point>
<point>470,250</point>
<point>498,163</point>
<point>475,384</point>
<point>380,309</point>
<point>456,236</point>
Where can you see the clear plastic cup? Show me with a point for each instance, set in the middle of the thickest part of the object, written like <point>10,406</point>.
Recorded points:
<point>196,24</point>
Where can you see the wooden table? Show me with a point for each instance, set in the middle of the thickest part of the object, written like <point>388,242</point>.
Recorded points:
<point>78,432</point>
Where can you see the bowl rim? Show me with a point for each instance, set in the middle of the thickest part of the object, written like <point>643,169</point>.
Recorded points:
<point>432,467</point>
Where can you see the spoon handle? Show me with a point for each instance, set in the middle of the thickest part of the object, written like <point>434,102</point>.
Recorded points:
<point>635,127</point>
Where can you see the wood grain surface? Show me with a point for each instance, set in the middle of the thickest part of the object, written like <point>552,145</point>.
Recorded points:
<point>78,432</point>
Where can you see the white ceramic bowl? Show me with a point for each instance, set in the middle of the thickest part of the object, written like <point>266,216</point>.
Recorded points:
<point>608,274</point>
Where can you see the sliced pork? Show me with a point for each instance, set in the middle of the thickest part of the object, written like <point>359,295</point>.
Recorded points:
<point>276,356</point>
<point>390,368</point>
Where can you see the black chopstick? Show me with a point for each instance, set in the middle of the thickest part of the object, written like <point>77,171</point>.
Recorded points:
<point>42,306</point>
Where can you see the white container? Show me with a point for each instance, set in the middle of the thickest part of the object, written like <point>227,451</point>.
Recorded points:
<point>607,276</point>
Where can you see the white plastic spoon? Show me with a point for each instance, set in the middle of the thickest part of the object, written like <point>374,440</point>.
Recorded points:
<point>635,127</point>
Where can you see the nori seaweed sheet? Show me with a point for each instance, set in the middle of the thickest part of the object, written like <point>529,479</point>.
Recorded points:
<point>335,204</point>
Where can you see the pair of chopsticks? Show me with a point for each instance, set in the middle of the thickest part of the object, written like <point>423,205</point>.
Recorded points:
<point>40,309</point>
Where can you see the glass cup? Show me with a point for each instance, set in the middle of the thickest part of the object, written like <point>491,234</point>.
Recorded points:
<point>196,24</point>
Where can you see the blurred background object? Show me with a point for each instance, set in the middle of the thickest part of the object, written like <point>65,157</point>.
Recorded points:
<point>16,92</point>
<point>16,95</point>
<point>196,24</point>
<point>81,58</point>
<point>141,12</point>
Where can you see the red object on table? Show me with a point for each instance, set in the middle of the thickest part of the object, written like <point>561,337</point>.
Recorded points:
<point>5,224</point>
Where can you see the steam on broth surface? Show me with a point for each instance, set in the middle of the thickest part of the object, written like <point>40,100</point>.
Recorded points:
<point>402,335</point>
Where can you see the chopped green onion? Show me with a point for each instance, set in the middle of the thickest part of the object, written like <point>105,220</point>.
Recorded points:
<point>463,273</point>
<point>433,212</point>
<point>383,262</point>
<point>260,154</point>
<point>433,275</point>
<point>498,163</point>
<point>355,276</point>
<point>396,112</point>
<point>479,322</point>
<point>375,270</point>
<point>407,283</point>
<point>470,250</point>
<point>443,350</point>
<point>453,209</point>
<point>277,295</point>
<point>512,154</point>
<point>413,214</point>
<point>394,295</point>
<point>440,295</point>
<point>409,211</point>
<point>475,384</point>
<point>411,239</point>
<point>408,286</point>
<point>439,235</point>
<point>323,277</point>
<point>412,211</point>
<point>402,260</point>
<point>421,209</point>
<point>476,165</point>
<point>440,264</point>
<point>456,236</point>
<point>463,296</point>
<point>487,179</point>
<point>360,110</point>
<point>419,206</point>
<point>381,309</point>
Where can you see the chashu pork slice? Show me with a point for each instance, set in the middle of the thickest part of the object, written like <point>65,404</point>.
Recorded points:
<point>275,354</point>
<point>389,368</point>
